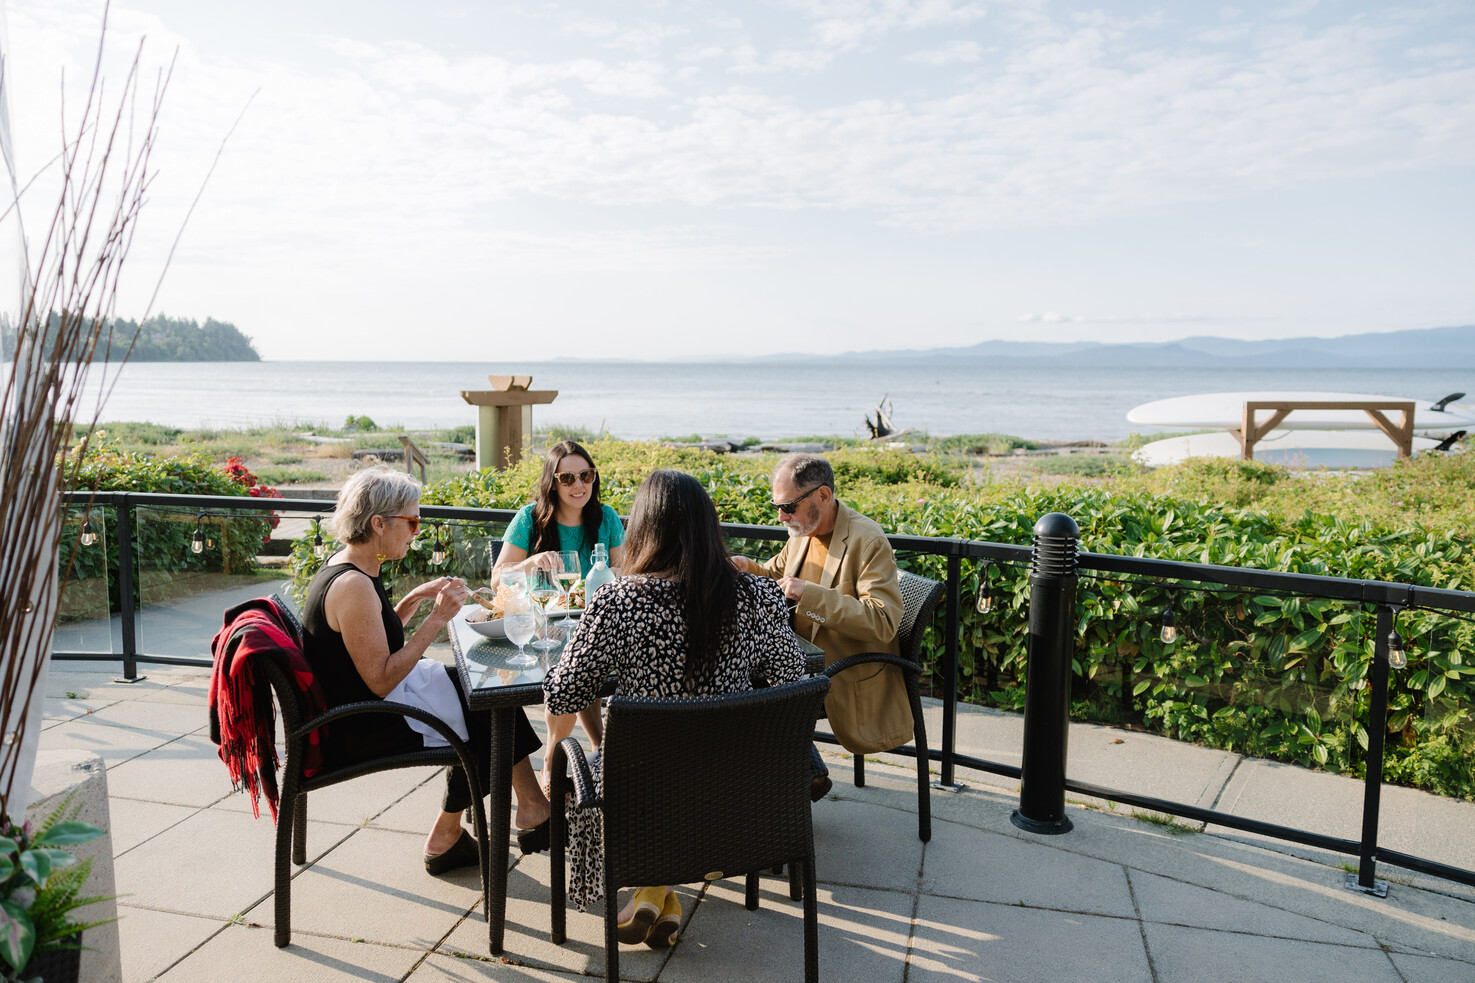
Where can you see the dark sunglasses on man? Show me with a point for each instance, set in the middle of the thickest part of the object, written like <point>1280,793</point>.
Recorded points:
<point>789,508</point>
<point>585,477</point>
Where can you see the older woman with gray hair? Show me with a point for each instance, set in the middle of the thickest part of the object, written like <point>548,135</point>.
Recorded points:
<point>355,642</point>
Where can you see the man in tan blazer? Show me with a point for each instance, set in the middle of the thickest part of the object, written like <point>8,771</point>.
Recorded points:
<point>839,571</point>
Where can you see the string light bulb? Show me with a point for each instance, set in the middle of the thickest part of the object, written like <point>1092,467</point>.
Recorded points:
<point>438,555</point>
<point>318,549</point>
<point>89,533</point>
<point>197,541</point>
<point>985,602</point>
<point>1397,655</point>
<point>1169,633</point>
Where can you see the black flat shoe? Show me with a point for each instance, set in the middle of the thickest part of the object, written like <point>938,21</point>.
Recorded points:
<point>537,839</point>
<point>819,787</point>
<point>463,853</point>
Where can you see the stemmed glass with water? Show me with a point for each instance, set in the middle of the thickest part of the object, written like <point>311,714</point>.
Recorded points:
<point>517,621</point>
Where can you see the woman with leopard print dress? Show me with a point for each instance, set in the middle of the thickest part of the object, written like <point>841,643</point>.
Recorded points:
<point>682,623</point>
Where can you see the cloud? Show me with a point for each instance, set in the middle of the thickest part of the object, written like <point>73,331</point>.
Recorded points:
<point>948,54</point>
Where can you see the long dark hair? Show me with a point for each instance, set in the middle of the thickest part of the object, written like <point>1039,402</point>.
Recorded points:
<point>674,533</point>
<point>545,506</point>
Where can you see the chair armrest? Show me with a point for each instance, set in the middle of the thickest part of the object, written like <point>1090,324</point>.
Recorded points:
<point>571,753</point>
<point>394,709</point>
<point>882,658</point>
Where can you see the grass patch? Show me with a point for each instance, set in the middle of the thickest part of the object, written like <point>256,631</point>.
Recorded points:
<point>1167,823</point>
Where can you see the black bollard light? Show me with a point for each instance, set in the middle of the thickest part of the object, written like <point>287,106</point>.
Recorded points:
<point>1052,601</point>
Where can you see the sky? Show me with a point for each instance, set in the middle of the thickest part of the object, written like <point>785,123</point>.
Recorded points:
<point>672,180</point>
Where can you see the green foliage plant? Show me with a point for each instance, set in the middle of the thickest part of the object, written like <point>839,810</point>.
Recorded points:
<point>40,887</point>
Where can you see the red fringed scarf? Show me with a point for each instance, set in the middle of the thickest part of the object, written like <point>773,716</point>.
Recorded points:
<point>242,717</point>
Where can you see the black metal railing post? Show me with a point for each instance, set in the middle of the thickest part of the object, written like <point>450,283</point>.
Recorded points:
<point>125,590</point>
<point>950,675</point>
<point>1052,595</point>
<point>1372,784</point>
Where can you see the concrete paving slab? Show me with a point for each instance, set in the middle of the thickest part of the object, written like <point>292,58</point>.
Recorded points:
<point>373,886</point>
<point>863,935</point>
<point>149,716</point>
<point>460,969</point>
<point>62,708</point>
<point>529,920</point>
<point>417,803</point>
<point>1195,955</point>
<point>980,941</point>
<point>112,743</point>
<point>1170,902</point>
<point>134,822</point>
<point>242,952</point>
<point>1411,821</point>
<point>185,772</point>
<point>215,863</point>
<point>863,844</point>
<point>152,941</point>
<point>966,863</point>
<point>1431,969</point>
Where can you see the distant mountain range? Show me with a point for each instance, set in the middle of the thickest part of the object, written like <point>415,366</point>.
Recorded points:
<point>1434,348</point>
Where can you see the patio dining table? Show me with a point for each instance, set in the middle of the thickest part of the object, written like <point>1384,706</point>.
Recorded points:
<point>491,684</point>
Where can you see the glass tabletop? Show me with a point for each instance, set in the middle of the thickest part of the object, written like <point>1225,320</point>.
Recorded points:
<point>482,662</point>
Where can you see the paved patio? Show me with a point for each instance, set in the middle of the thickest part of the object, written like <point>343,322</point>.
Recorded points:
<point>1119,898</point>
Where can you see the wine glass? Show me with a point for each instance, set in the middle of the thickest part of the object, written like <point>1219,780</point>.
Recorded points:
<point>517,621</point>
<point>542,592</point>
<point>570,573</point>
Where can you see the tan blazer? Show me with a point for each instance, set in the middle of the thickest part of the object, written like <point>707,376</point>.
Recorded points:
<point>855,608</point>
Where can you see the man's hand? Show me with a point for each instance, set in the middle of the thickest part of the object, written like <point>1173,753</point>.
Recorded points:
<point>743,564</point>
<point>792,587</point>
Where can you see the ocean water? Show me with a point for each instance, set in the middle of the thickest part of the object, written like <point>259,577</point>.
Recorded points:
<point>768,401</point>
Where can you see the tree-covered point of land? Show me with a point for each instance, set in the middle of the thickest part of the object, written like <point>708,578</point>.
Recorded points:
<point>160,338</point>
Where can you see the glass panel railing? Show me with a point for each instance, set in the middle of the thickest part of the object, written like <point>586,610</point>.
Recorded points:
<point>85,620</point>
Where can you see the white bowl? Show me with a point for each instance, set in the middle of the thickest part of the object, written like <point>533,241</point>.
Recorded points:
<point>490,628</point>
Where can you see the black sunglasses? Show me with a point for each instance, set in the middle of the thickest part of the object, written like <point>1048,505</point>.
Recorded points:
<point>585,476</point>
<point>789,508</point>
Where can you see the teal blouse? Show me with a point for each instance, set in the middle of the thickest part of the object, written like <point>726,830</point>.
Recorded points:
<point>611,533</point>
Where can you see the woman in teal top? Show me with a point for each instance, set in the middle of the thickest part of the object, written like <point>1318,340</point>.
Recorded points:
<point>566,515</point>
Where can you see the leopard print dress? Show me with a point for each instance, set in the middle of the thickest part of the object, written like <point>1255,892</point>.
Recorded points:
<point>635,629</point>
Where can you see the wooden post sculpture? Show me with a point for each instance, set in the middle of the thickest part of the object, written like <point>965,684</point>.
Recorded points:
<point>504,418</point>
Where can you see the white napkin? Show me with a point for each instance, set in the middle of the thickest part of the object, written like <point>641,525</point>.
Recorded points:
<point>429,688</point>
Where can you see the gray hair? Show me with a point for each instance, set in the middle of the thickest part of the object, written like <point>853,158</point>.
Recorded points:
<point>370,492</point>
<point>806,471</point>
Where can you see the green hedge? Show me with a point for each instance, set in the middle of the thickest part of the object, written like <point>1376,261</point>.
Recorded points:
<point>1261,674</point>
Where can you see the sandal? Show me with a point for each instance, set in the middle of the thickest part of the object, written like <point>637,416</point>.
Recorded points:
<point>646,908</point>
<point>663,932</point>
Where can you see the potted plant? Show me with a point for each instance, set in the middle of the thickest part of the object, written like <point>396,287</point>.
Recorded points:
<point>40,888</point>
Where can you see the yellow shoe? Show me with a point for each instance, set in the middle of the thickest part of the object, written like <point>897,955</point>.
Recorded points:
<point>645,909</point>
<point>663,932</point>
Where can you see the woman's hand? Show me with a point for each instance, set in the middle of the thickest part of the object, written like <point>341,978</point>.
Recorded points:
<point>548,561</point>
<point>428,590</point>
<point>450,598</point>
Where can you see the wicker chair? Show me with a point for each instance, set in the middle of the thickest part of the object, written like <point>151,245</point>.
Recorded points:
<point>698,790</point>
<point>919,599</point>
<point>291,846</point>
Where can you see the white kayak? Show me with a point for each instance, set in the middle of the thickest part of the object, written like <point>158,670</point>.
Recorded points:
<point>1293,448</point>
<point>1225,411</point>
